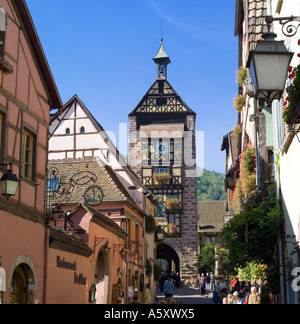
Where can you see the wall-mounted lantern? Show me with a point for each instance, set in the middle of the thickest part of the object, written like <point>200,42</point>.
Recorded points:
<point>9,181</point>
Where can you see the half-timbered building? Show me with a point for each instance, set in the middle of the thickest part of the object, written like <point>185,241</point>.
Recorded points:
<point>162,153</point>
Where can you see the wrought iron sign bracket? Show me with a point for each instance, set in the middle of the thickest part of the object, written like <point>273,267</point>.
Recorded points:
<point>99,240</point>
<point>290,25</point>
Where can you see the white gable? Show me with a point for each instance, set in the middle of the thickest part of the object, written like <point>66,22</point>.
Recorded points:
<point>75,135</point>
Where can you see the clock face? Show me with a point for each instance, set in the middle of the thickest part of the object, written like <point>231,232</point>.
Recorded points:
<point>162,149</point>
<point>94,196</point>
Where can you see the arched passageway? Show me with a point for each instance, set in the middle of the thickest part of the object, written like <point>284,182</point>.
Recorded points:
<point>166,252</point>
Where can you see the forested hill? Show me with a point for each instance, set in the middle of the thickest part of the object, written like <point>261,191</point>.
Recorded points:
<point>210,186</point>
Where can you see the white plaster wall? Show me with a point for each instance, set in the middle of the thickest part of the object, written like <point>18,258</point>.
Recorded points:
<point>61,143</point>
<point>290,187</point>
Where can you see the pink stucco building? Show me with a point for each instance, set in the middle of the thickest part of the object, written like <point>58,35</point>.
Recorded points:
<point>27,95</point>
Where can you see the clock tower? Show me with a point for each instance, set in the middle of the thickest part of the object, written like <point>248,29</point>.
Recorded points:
<point>162,152</point>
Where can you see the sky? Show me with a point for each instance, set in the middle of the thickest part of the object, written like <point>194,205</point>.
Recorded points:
<point>102,51</point>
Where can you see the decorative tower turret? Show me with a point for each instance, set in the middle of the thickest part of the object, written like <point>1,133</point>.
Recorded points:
<point>162,60</point>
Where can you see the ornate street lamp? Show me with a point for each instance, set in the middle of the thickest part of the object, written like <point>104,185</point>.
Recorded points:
<point>268,65</point>
<point>9,181</point>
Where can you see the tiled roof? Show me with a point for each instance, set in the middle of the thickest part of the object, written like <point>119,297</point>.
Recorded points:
<point>70,243</point>
<point>257,10</point>
<point>112,188</point>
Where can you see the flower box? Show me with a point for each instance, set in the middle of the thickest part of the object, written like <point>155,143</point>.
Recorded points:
<point>162,178</point>
<point>172,229</point>
<point>295,120</point>
<point>239,102</point>
<point>173,203</point>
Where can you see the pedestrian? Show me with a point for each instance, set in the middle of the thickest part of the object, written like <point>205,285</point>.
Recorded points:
<point>254,299</point>
<point>212,281</point>
<point>202,282</point>
<point>177,280</point>
<point>216,293</point>
<point>235,299</point>
<point>169,290</point>
<point>146,295</point>
<point>245,299</point>
<point>135,300</point>
<point>162,283</point>
<point>230,299</point>
<point>234,284</point>
<point>207,284</point>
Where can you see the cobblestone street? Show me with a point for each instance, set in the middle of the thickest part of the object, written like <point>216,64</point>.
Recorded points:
<point>189,296</point>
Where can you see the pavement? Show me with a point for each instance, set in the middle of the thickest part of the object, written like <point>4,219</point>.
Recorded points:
<point>184,296</point>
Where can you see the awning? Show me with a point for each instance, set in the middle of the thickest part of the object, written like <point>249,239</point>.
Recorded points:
<point>2,280</point>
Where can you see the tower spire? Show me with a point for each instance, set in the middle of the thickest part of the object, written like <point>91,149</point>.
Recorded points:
<point>162,60</point>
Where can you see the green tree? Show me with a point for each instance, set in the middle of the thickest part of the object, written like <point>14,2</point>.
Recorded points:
<point>207,259</point>
<point>210,186</point>
<point>252,236</point>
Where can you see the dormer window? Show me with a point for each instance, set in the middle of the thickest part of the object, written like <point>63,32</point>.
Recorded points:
<point>82,130</point>
<point>68,132</point>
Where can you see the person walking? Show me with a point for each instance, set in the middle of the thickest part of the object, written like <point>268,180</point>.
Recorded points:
<point>254,299</point>
<point>146,299</point>
<point>216,293</point>
<point>212,281</point>
<point>207,283</point>
<point>169,290</point>
<point>202,282</point>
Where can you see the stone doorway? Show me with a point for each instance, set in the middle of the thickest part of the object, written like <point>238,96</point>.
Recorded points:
<point>167,253</point>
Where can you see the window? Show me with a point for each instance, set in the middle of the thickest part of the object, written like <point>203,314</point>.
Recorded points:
<point>137,238</point>
<point>162,152</point>
<point>129,230</point>
<point>82,130</point>
<point>68,132</point>
<point>2,31</point>
<point>28,155</point>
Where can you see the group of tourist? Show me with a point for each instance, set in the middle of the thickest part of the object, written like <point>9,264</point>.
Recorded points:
<point>206,283</point>
<point>236,292</point>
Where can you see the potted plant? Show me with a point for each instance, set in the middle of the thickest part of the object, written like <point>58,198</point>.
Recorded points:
<point>172,228</point>
<point>237,130</point>
<point>241,76</point>
<point>239,102</point>
<point>292,104</point>
<point>173,203</point>
<point>150,224</point>
<point>162,178</point>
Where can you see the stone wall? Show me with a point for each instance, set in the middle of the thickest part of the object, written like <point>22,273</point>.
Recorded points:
<point>187,245</point>
<point>134,155</point>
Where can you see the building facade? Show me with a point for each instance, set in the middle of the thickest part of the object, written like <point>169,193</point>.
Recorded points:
<point>287,152</point>
<point>27,95</point>
<point>79,145</point>
<point>162,153</point>
<point>267,130</point>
